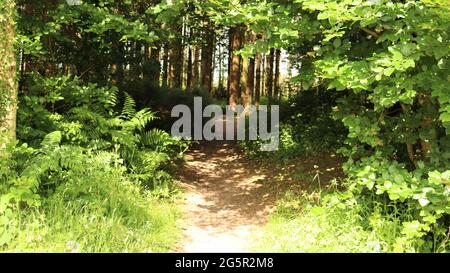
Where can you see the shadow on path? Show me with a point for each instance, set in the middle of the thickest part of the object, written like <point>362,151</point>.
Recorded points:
<point>227,198</point>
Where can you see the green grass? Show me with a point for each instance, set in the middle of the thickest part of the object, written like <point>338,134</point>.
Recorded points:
<point>112,214</point>
<point>71,228</point>
<point>84,230</point>
<point>300,226</point>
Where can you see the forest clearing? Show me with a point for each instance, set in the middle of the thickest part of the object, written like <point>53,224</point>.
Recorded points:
<point>335,136</point>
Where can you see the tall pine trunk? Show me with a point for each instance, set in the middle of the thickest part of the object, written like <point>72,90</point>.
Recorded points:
<point>269,75</point>
<point>189,68</point>
<point>220,70</point>
<point>155,57</point>
<point>229,62</point>
<point>207,60</point>
<point>258,63</point>
<point>277,75</point>
<point>189,59</point>
<point>263,75</point>
<point>176,58</point>
<point>165,69</point>
<point>236,42</point>
<point>246,93</point>
<point>250,74</point>
<point>196,67</point>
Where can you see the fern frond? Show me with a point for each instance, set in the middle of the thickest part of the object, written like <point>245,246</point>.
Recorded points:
<point>94,124</point>
<point>129,107</point>
<point>140,120</point>
<point>113,97</point>
<point>155,138</point>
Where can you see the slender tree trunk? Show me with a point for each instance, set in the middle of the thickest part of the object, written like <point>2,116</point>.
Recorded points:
<point>8,83</point>
<point>176,59</point>
<point>184,53</point>
<point>196,68</point>
<point>155,57</point>
<point>229,62</point>
<point>236,42</point>
<point>277,75</point>
<point>213,63</point>
<point>189,69</point>
<point>246,99</point>
<point>248,74</point>
<point>250,71</point>
<point>251,79</point>
<point>165,70</point>
<point>258,79</point>
<point>220,70</point>
<point>263,75</point>
<point>207,62</point>
<point>269,75</point>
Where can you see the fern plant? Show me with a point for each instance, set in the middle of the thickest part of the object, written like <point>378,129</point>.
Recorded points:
<point>96,119</point>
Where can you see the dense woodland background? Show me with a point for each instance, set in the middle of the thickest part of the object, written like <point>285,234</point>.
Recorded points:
<point>86,160</point>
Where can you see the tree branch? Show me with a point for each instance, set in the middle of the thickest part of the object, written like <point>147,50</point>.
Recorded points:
<point>371,32</point>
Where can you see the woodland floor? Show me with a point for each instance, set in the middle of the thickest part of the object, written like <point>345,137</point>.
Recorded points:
<point>229,197</point>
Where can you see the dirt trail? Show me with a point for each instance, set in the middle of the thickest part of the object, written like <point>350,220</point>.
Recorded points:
<point>228,199</point>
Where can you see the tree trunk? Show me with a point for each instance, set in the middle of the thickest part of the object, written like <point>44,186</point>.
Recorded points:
<point>220,70</point>
<point>263,75</point>
<point>269,75</point>
<point>277,74</point>
<point>176,59</point>
<point>258,79</point>
<point>189,69</point>
<point>8,83</point>
<point>251,76</point>
<point>250,71</point>
<point>229,62</point>
<point>245,81</point>
<point>213,63</point>
<point>236,42</point>
<point>195,74</point>
<point>165,70</point>
<point>155,56</point>
<point>207,62</point>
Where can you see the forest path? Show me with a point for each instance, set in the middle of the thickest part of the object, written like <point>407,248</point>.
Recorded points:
<point>227,198</point>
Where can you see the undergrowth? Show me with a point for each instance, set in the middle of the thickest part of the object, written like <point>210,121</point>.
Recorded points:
<point>301,224</point>
<point>89,173</point>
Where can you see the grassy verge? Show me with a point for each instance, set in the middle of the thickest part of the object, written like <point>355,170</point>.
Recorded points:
<point>112,215</point>
<point>302,225</point>
<point>82,230</point>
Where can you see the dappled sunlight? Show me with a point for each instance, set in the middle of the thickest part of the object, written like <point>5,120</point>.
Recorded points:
<point>229,197</point>
<point>226,201</point>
